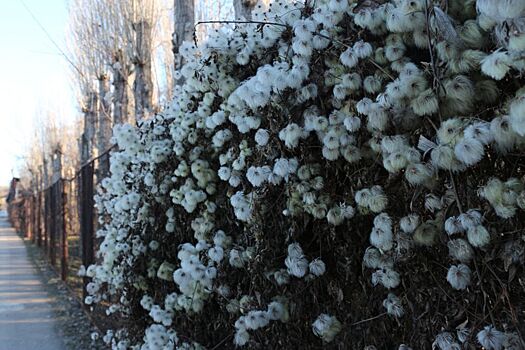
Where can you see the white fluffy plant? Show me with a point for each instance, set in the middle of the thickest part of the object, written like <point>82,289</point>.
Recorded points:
<point>281,130</point>
<point>326,327</point>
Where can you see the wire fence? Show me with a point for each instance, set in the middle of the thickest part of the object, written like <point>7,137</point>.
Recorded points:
<point>61,220</point>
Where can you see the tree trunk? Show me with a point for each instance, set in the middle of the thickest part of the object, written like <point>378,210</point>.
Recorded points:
<point>45,171</point>
<point>104,115</point>
<point>88,136</point>
<point>243,8</point>
<point>143,84</point>
<point>120,96</point>
<point>104,124</point>
<point>57,165</point>
<point>184,29</point>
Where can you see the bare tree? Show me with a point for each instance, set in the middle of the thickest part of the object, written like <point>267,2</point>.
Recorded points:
<point>120,70</point>
<point>142,17</point>
<point>57,163</point>
<point>89,37</point>
<point>117,52</point>
<point>104,112</point>
<point>163,65</point>
<point>143,84</point>
<point>89,112</point>
<point>87,95</point>
<point>184,11</point>
<point>51,135</point>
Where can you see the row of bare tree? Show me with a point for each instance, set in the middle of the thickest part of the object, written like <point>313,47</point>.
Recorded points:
<point>114,44</point>
<point>124,54</point>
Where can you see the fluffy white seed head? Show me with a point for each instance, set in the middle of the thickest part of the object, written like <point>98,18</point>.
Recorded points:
<point>478,236</point>
<point>372,258</point>
<point>335,216</point>
<point>241,337</point>
<point>433,202</point>
<point>317,267</point>
<point>387,277</point>
<point>261,137</point>
<point>409,223</point>
<point>469,151</point>
<point>496,65</point>
<point>297,266</point>
<point>445,341</point>
<point>277,311</point>
<point>459,276</point>
<point>479,131</point>
<point>490,338</point>
<point>281,277</point>
<point>460,249</point>
<point>470,219</point>
<point>382,239</point>
<point>326,327</point>
<point>517,115</point>
<point>295,250</point>
<point>453,226</point>
<point>349,58</point>
<point>393,306</point>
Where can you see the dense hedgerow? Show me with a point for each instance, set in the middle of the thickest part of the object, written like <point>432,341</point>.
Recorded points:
<point>332,175</point>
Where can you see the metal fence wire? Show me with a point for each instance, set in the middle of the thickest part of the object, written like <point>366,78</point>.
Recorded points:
<point>61,220</point>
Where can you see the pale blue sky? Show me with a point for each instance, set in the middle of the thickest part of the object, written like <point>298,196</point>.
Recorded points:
<point>33,75</point>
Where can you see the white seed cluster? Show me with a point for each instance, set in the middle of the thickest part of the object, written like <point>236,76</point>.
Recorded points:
<point>285,130</point>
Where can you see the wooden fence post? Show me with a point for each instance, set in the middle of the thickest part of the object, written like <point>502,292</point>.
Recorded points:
<point>33,217</point>
<point>87,218</point>
<point>30,233</point>
<point>64,246</point>
<point>56,202</point>
<point>39,219</point>
<point>47,220</point>
<point>53,224</point>
<point>27,218</point>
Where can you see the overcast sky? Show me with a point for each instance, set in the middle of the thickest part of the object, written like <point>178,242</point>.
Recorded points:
<point>33,75</point>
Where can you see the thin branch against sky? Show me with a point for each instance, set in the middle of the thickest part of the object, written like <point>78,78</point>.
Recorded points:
<point>49,36</point>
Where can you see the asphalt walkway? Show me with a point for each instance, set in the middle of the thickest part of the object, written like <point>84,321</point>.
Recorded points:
<point>26,317</point>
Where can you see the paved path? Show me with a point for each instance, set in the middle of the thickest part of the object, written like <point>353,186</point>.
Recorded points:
<point>26,317</point>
